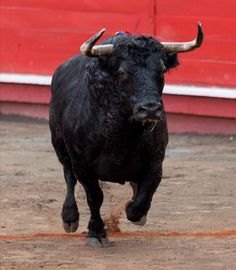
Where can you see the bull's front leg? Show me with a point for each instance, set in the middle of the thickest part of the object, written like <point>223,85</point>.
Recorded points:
<point>137,209</point>
<point>96,233</point>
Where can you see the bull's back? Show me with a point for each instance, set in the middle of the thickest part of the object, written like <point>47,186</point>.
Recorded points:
<point>68,77</point>
<point>68,84</point>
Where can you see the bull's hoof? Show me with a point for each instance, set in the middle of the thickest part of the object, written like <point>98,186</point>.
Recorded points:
<point>71,227</point>
<point>98,242</point>
<point>134,215</point>
<point>70,217</point>
<point>141,222</point>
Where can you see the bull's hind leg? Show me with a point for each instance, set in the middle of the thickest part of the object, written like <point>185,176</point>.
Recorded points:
<point>96,236</point>
<point>137,209</point>
<point>70,214</point>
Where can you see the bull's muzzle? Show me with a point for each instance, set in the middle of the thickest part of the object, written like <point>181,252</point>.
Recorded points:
<point>148,112</point>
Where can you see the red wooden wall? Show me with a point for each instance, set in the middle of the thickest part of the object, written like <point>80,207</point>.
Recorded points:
<point>215,62</point>
<point>38,35</point>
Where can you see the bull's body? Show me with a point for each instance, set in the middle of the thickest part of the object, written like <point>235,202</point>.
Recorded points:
<point>108,123</point>
<point>96,130</point>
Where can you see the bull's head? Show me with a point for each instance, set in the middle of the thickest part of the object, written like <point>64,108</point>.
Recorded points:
<point>137,64</point>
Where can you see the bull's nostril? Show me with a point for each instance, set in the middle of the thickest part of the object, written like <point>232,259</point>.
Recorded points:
<point>148,111</point>
<point>141,112</point>
<point>158,114</point>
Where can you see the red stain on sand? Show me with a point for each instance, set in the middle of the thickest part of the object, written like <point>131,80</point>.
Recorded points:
<point>174,234</point>
<point>218,234</point>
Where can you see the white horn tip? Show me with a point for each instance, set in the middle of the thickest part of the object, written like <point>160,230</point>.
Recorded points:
<point>200,35</point>
<point>103,30</point>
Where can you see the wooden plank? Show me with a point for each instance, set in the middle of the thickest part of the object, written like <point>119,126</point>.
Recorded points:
<point>180,28</point>
<point>101,6</point>
<point>24,109</point>
<point>208,73</point>
<point>180,123</point>
<point>77,22</point>
<point>24,93</point>
<point>202,106</point>
<point>199,8</point>
<point>218,51</point>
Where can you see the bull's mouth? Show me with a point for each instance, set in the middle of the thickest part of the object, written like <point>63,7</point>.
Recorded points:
<point>151,123</point>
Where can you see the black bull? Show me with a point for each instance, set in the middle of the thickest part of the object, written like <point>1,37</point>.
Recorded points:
<point>108,122</point>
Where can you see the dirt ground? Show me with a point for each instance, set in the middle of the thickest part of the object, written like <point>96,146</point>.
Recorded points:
<point>197,194</point>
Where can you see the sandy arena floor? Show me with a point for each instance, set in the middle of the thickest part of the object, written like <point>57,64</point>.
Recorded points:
<point>191,224</point>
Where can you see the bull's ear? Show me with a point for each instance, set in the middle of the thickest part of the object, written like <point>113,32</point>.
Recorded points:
<point>171,61</point>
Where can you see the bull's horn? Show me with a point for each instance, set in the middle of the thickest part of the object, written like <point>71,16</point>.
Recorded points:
<point>88,48</point>
<point>179,47</point>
